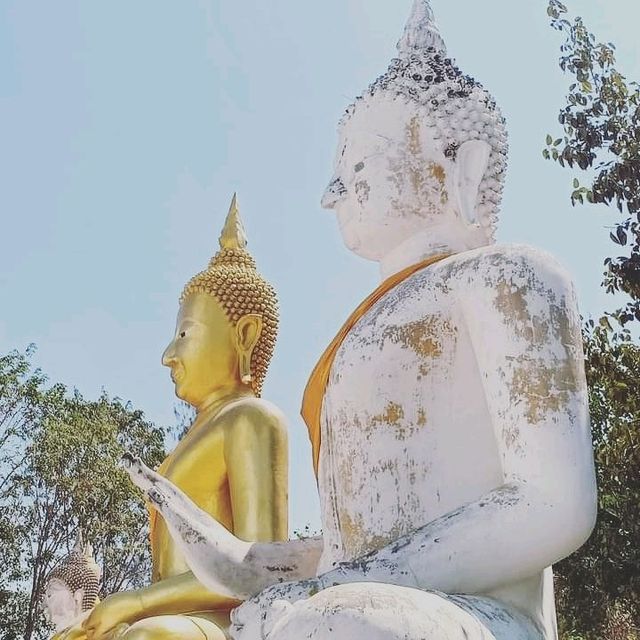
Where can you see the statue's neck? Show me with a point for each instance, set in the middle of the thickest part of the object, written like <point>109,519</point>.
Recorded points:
<point>222,397</point>
<point>436,240</point>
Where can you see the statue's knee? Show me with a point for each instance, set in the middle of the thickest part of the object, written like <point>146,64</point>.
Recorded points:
<point>164,627</point>
<point>344,612</point>
<point>141,631</point>
<point>378,612</point>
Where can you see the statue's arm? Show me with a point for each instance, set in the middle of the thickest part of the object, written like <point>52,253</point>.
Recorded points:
<point>523,319</point>
<point>176,595</point>
<point>223,562</point>
<point>525,328</point>
<point>256,458</point>
<point>180,594</point>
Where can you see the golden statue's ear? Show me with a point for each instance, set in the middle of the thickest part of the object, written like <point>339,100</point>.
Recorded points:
<point>248,330</point>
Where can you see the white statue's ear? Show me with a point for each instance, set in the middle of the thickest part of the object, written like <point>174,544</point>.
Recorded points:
<point>471,164</point>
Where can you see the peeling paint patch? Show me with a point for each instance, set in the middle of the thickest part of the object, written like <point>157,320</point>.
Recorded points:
<point>411,172</point>
<point>392,415</point>
<point>362,191</point>
<point>544,387</point>
<point>425,338</point>
<point>359,541</point>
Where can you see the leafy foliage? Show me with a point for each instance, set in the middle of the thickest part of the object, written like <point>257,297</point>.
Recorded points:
<point>59,471</point>
<point>599,587</point>
<point>601,123</point>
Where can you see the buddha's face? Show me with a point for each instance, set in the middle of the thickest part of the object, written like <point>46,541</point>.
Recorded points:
<point>202,355</point>
<point>392,178</point>
<point>61,606</point>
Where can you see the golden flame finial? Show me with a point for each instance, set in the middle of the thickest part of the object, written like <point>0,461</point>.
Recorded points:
<point>233,235</point>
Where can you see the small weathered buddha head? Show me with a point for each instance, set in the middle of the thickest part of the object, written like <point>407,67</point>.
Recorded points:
<point>227,324</point>
<point>424,148</point>
<point>72,587</point>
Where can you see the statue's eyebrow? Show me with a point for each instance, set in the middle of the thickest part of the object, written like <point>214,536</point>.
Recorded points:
<point>188,322</point>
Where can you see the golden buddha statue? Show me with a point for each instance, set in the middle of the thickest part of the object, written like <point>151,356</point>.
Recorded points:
<point>232,462</point>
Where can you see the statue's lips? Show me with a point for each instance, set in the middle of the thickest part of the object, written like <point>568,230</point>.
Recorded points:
<point>177,375</point>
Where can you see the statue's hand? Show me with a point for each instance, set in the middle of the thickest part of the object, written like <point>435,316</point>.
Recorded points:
<point>76,632</point>
<point>256,618</point>
<point>111,614</point>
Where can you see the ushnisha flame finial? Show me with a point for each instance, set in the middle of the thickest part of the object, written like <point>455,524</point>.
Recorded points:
<point>233,235</point>
<point>79,545</point>
<point>421,31</point>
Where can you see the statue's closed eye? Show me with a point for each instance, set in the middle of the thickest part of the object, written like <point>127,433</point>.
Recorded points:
<point>359,167</point>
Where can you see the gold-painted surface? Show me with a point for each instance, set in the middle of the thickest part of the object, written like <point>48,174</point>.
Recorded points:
<point>233,462</point>
<point>392,415</point>
<point>316,387</point>
<point>424,338</point>
<point>357,538</point>
<point>408,175</point>
<point>543,387</point>
<point>233,235</point>
<point>544,384</point>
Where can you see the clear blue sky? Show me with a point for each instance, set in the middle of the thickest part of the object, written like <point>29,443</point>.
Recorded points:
<point>125,126</point>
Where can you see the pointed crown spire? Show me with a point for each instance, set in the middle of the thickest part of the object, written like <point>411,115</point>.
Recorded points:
<point>79,545</point>
<point>81,548</point>
<point>421,31</point>
<point>233,234</point>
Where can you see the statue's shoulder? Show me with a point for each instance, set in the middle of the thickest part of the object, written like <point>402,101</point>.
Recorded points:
<point>254,411</point>
<point>517,264</point>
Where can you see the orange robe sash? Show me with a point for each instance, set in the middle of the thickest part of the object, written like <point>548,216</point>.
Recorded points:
<point>317,385</point>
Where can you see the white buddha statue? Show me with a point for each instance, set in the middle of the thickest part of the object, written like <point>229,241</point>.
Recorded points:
<point>72,586</point>
<point>449,418</point>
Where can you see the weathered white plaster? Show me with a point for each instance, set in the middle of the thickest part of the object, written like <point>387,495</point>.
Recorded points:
<point>62,607</point>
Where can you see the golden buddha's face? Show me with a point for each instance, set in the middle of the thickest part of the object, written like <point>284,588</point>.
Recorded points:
<point>202,356</point>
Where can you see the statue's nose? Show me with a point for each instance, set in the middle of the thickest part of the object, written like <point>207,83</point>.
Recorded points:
<point>335,192</point>
<point>169,355</point>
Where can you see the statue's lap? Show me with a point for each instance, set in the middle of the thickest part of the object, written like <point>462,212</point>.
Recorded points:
<point>197,626</point>
<point>387,612</point>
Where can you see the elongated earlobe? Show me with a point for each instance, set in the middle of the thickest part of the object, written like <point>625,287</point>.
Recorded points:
<point>471,164</point>
<point>248,330</point>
